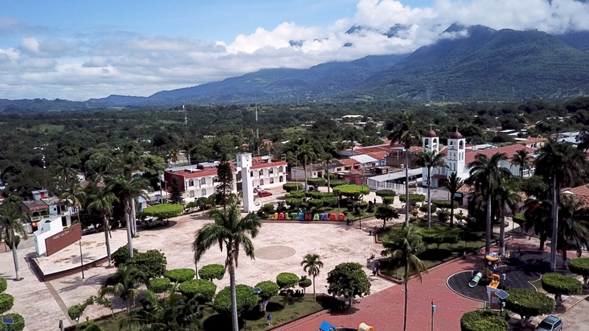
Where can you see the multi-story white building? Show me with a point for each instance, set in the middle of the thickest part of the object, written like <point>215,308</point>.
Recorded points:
<point>195,183</point>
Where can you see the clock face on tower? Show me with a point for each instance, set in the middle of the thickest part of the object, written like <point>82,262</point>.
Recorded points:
<point>244,160</point>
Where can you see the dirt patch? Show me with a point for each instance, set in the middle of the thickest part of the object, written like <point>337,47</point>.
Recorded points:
<point>274,252</point>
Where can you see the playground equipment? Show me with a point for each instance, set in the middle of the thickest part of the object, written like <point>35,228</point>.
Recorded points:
<point>495,279</point>
<point>475,280</point>
<point>326,326</point>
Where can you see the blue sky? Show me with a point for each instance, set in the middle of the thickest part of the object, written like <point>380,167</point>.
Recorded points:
<point>87,49</point>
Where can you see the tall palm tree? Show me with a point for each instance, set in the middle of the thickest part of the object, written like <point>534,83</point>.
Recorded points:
<point>560,164</point>
<point>173,313</point>
<point>232,231</point>
<point>408,134</point>
<point>453,184</point>
<point>523,160</point>
<point>429,160</point>
<point>402,246</point>
<point>507,196</point>
<point>64,170</point>
<point>486,175</point>
<point>124,284</point>
<point>537,218</point>
<point>327,159</point>
<point>573,229</point>
<point>312,265</point>
<point>306,155</point>
<point>76,197</point>
<point>103,202</point>
<point>128,190</point>
<point>11,223</point>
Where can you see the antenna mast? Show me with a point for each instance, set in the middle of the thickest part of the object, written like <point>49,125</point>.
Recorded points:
<point>257,130</point>
<point>186,126</point>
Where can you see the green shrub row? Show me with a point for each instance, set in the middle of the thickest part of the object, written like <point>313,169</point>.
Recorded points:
<point>180,275</point>
<point>560,284</point>
<point>18,320</point>
<point>295,195</point>
<point>3,284</point>
<point>445,204</point>
<point>159,285</point>
<point>386,193</point>
<point>201,289</point>
<point>388,200</point>
<point>289,187</point>
<point>212,271</point>
<point>164,211</point>
<point>351,190</point>
<point>479,320</point>
<point>319,181</point>
<point>6,302</point>
<point>413,198</point>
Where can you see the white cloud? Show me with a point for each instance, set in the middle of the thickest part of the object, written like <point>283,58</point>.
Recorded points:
<point>108,61</point>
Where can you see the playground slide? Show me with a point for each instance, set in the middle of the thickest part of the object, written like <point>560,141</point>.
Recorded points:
<point>494,280</point>
<point>475,280</point>
<point>364,327</point>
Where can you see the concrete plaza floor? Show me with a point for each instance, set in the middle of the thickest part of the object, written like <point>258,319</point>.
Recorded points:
<point>280,248</point>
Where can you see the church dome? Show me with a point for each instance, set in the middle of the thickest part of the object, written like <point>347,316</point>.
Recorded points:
<point>456,135</point>
<point>430,134</point>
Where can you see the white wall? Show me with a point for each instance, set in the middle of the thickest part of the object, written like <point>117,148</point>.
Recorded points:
<point>46,229</point>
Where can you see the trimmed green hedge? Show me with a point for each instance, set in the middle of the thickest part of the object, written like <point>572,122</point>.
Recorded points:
<point>440,235</point>
<point>159,285</point>
<point>338,182</point>
<point>294,203</point>
<point>578,266</point>
<point>76,311</point>
<point>151,263</point>
<point>268,289</point>
<point>180,275</point>
<point>6,302</point>
<point>295,195</point>
<point>3,284</point>
<point>386,193</point>
<point>388,200</point>
<point>19,322</point>
<point>413,198</point>
<point>164,211</point>
<point>528,303</point>
<point>479,320</point>
<point>319,181</point>
<point>423,208</point>
<point>201,289</point>
<point>352,190</point>
<point>561,285</point>
<point>246,297</point>
<point>289,187</point>
<point>212,271</point>
<point>287,280</point>
<point>445,204</point>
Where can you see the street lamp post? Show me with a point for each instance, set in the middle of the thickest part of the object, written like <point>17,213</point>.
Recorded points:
<point>433,311</point>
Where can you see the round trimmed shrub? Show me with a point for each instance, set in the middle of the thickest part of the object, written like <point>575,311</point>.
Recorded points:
<point>201,289</point>
<point>424,208</point>
<point>388,200</point>
<point>19,322</point>
<point>288,187</point>
<point>352,190</point>
<point>559,285</point>
<point>316,203</point>
<point>295,195</point>
<point>180,275</point>
<point>479,320</point>
<point>338,182</point>
<point>413,198</point>
<point>6,302</point>
<point>159,285</point>
<point>578,266</point>
<point>212,271</point>
<point>386,193</point>
<point>305,282</point>
<point>294,203</point>
<point>319,181</point>
<point>528,303</point>
<point>3,284</point>
<point>445,204</point>
<point>245,295</point>
<point>287,280</point>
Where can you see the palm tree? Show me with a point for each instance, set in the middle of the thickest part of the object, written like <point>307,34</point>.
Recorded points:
<point>407,133</point>
<point>486,175</point>
<point>537,218</point>
<point>327,159</point>
<point>560,164</point>
<point>453,184</point>
<point>507,196</point>
<point>103,202</point>
<point>173,313</point>
<point>306,155</point>
<point>573,229</point>
<point>232,231</point>
<point>429,160</point>
<point>64,170</point>
<point>523,160</point>
<point>312,265</point>
<point>402,246</point>
<point>11,223</point>
<point>128,189</point>
<point>75,196</point>
<point>124,284</point>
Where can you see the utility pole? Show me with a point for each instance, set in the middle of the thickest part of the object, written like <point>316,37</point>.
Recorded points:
<point>257,131</point>
<point>186,127</point>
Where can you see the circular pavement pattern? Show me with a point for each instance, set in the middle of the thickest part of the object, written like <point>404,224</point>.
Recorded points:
<point>274,252</point>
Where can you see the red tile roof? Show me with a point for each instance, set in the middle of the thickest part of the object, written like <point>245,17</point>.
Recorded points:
<point>348,162</point>
<point>262,165</point>
<point>581,193</point>
<point>196,173</point>
<point>378,155</point>
<point>509,150</point>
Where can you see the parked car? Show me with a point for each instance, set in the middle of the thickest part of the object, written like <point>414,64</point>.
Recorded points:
<point>264,193</point>
<point>550,323</point>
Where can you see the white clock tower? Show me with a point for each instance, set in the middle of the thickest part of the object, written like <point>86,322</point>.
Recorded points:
<point>244,161</point>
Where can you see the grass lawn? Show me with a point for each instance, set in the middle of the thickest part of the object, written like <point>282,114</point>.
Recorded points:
<point>254,321</point>
<point>434,255</point>
<point>45,128</point>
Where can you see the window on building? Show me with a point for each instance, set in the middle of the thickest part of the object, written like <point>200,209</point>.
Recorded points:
<point>261,172</point>
<point>261,182</point>
<point>204,192</point>
<point>251,173</point>
<point>203,181</point>
<point>190,182</point>
<point>191,194</point>
<point>271,180</point>
<point>281,179</point>
<point>270,171</point>
<point>280,169</point>
<point>215,179</point>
